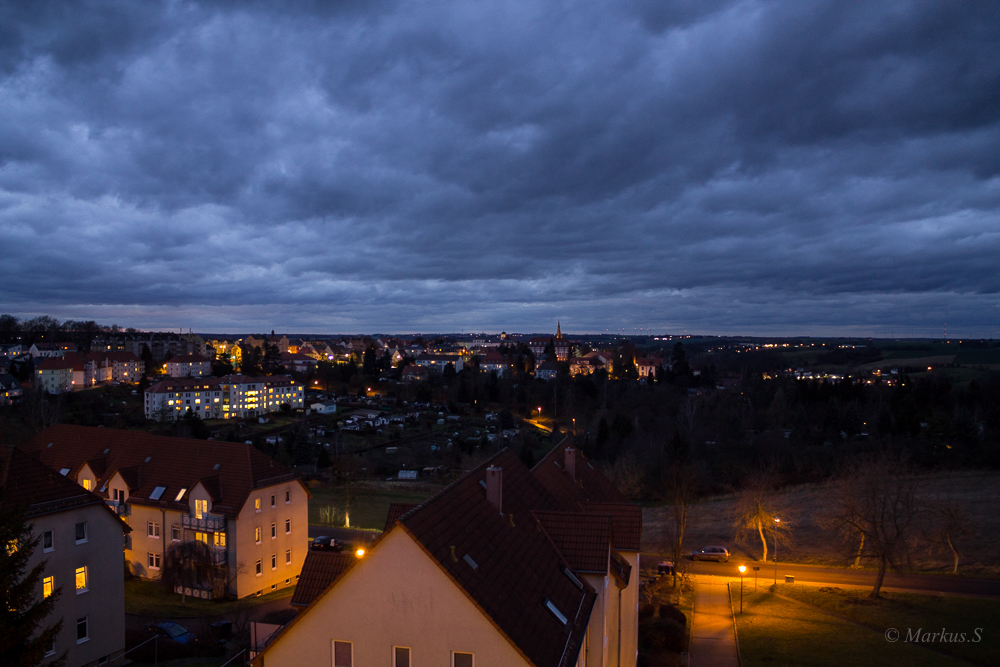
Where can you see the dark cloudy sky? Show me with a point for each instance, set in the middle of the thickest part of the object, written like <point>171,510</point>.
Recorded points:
<point>727,167</point>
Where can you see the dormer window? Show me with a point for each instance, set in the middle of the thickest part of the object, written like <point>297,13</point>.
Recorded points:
<point>200,508</point>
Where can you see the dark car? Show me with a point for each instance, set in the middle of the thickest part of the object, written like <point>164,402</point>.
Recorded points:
<point>173,632</point>
<point>718,554</point>
<point>327,543</point>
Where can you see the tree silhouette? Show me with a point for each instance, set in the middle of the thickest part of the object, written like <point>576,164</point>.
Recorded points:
<point>188,565</point>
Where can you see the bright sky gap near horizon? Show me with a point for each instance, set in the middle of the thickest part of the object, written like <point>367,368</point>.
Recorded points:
<point>823,168</point>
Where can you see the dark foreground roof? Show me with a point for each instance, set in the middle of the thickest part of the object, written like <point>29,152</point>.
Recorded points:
<point>320,569</point>
<point>396,510</point>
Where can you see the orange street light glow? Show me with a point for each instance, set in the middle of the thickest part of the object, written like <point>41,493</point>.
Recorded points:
<point>359,553</point>
<point>743,568</point>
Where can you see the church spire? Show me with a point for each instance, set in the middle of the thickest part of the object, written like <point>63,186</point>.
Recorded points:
<point>558,329</point>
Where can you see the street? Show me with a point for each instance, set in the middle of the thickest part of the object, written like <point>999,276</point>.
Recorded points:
<point>932,583</point>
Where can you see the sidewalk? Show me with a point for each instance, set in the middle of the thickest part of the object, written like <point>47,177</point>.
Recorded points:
<point>713,643</point>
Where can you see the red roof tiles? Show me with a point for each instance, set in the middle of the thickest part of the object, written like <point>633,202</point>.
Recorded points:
<point>320,569</point>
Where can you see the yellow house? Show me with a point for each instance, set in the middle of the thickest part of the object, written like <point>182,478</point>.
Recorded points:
<point>490,571</point>
<point>251,511</point>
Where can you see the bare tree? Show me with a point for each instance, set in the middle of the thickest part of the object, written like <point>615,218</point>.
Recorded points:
<point>948,524</point>
<point>188,565</point>
<point>627,474</point>
<point>876,500</point>
<point>679,490</point>
<point>756,512</point>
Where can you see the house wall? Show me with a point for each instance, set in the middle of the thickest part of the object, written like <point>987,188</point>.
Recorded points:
<point>594,645</point>
<point>142,544</point>
<point>630,611</point>
<point>244,550</point>
<point>396,596</point>
<point>104,601</point>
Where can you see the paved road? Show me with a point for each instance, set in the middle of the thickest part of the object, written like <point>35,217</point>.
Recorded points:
<point>345,534</point>
<point>713,643</point>
<point>936,583</point>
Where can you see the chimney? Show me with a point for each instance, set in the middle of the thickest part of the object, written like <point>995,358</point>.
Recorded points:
<point>494,487</point>
<point>570,462</point>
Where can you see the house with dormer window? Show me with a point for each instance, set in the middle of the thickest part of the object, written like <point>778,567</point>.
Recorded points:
<point>171,490</point>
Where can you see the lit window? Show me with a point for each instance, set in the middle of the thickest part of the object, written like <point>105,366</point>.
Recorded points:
<point>219,539</point>
<point>201,537</point>
<point>88,484</point>
<point>81,532</point>
<point>288,556</point>
<point>153,530</point>
<point>200,508</point>
<point>47,543</point>
<point>256,504</point>
<point>48,586</point>
<point>288,526</point>
<point>256,534</point>
<point>82,633</point>
<point>81,579</point>
<point>153,561</point>
<point>260,568</point>
<point>400,656</point>
<point>180,494</point>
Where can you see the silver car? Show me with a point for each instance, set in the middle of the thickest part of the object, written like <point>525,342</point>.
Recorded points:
<point>718,554</point>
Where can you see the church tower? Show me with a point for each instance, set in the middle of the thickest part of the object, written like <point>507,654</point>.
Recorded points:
<point>558,329</point>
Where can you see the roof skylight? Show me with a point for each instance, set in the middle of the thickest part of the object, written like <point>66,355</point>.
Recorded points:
<point>180,494</point>
<point>157,492</point>
<point>555,612</point>
<point>64,471</point>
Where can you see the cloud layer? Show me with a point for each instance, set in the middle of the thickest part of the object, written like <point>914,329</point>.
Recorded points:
<point>725,167</point>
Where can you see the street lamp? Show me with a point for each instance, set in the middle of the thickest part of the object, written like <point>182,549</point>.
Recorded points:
<point>775,532</point>
<point>539,412</point>
<point>743,568</point>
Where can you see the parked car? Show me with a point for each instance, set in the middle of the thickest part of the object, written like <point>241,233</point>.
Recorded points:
<point>327,543</point>
<point>172,632</point>
<point>718,554</point>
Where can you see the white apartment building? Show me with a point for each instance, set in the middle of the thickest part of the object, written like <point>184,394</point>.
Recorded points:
<point>229,397</point>
<point>169,400</point>
<point>189,366</point>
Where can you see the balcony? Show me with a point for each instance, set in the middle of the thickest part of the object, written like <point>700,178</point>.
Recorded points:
<point>118,507</point>
<point>219,556</point>
<point>206,523</point>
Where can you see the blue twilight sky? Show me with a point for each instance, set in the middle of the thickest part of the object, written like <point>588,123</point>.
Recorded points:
<point>709,166</point>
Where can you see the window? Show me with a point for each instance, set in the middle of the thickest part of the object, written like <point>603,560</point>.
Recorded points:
<point>48,586</point>
<point>200,508</point>
<point>288,526</point>
<point>288,496</point>
<point>157,493</point>
<point>175,533</point>
<point>153,530</point>
<point>256,504</point>
<point>201,537</point>
<point>260,568</point>
<point>274,530</point>
<point>81,579</point>
<point>82,634</point>
<point>343,654</point>
<point>47,543</point>
<point>219,539</point>
<point>288,556</point>
<point>180,494</point>
<point>274,561</point>
<point>273,503</point>
<point>88,484</point>
<point>153,561</point>
<point>256,534</point>
<point>400,656</point>
<point>81,532</point>
<point>52,649</point>
<point>119,495</point>
<point>461,659</point>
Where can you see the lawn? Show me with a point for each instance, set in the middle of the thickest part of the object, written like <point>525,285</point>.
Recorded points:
<point>369,504</point>
<point>147,598</point>
<point>773,631</point>
<point>913,611</point>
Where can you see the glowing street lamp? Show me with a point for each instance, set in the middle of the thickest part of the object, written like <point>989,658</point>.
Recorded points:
<point>539,412</point>
<point>776,522</point>
<point>360,552</point>
<point>743,568</point>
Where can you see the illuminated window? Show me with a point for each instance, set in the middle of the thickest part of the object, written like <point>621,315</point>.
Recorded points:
<point>200,508</point>
<point>88,484</point>
<point>201,537</point>
<point>219,539</point>
<point>256,504</point>
<point>48,586</point>
<point>81,579</point>
<point>256,534</point>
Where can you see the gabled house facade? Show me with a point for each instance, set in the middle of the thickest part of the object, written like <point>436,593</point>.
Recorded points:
<point>493,570</point>
<point>251,511</point>
<point>54,375</point>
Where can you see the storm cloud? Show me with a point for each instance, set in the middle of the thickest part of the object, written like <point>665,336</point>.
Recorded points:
<point>729,167</point>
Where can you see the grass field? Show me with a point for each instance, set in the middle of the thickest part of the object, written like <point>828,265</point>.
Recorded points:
<point>147,598</point>
<point>802,507</point>
<point>913,612</point>
<point>369,503</point>
<point>773,631</point>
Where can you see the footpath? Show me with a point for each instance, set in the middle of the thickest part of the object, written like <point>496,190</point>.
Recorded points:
<point>713,639</point>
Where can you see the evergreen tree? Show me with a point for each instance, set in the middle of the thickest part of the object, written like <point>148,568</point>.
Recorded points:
<point>24,637</point>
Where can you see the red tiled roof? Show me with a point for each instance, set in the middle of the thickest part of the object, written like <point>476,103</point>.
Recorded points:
<point>188,359</point>
<point>54,364</point>
<point>229,470</point>
<point>517,568</point>
<point>627,521</point>
<point>584,539</point>
<point>26,482</point>
<point>184,384</point>
<point>320,569</point>
<point>396,510</point>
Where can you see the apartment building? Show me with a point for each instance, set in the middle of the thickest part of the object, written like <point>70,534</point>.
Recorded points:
<point>251,511</point>
<point>504,567</point>
<point>10,389</point>
<point>169,400</point>
<point>189,366</point>
<point>77,533</point>
<point>54,375</point>
<point>246,396</point>
<point>50,350</point>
